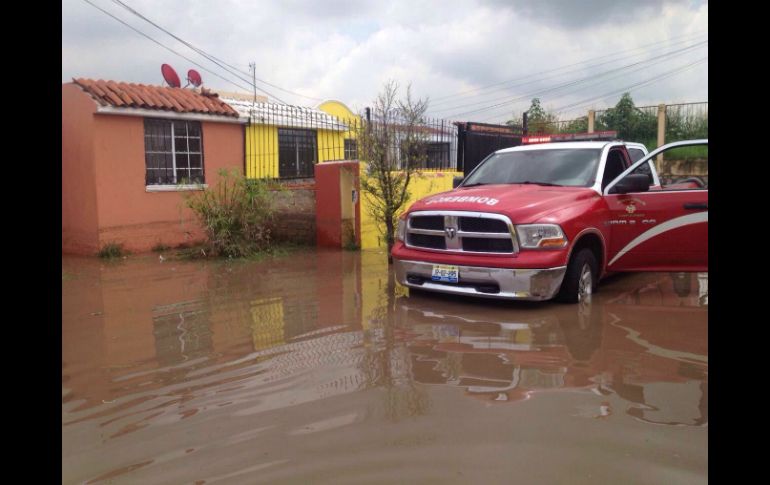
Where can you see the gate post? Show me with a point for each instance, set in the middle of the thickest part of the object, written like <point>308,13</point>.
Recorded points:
<point>591,118</point>
<point>338,204</point>
<point>524,123</point>
<point>661,134</point>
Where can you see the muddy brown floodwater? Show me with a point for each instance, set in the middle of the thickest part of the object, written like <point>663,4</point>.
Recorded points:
<point>316,368</point>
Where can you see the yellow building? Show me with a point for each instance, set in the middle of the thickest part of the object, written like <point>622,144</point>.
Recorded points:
<point>285,142</point>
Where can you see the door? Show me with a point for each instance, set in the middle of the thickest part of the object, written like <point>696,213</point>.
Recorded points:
<point>665,229</point>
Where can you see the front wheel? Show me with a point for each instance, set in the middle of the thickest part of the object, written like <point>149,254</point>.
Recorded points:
<point>580,279</point>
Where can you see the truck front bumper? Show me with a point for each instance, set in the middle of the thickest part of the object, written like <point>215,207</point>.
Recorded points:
<point>503,283</point>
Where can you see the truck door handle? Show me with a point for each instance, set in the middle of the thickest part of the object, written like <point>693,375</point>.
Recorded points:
<point>696,205</point>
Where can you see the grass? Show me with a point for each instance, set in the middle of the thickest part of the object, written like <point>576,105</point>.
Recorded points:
<point>160,247</point>
<point>204,251</point>
<point>112,251</point>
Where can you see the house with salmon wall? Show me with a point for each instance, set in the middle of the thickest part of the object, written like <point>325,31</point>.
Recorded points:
<point>130,152</point>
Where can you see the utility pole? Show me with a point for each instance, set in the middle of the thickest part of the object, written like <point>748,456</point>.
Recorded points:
<point>253,66</point>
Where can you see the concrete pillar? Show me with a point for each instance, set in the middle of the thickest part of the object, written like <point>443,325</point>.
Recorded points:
<point>591,119</point>
<point>338,208</point>
<point>661,134</point>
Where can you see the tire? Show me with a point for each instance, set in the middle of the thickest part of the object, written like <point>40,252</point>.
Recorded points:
<point>580,279</point>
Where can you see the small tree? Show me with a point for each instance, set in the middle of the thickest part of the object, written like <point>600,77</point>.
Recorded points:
<point>393,145</point>
<point>630,122</point>
<point>539,120</point>
<point>578,125</point>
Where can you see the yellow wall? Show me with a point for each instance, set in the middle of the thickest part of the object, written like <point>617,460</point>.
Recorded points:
<point>262,142</point>
<point>262,149</point>
<point>422,185</point>
<point>337,109</point>
<point>331,145</point>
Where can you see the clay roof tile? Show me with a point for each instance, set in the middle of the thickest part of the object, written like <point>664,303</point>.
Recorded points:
<point>130,95</point>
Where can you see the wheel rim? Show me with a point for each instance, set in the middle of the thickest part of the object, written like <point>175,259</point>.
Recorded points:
<point>585,284</point>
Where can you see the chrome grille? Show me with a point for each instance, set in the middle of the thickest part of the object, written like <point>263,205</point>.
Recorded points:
<point>461,231</point>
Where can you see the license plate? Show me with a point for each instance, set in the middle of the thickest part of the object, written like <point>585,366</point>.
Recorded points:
<point>446,273</point>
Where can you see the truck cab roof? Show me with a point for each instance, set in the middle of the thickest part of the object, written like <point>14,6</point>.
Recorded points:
<point>569,145</point>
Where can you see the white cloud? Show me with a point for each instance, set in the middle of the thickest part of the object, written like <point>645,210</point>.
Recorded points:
<point>346,50</point>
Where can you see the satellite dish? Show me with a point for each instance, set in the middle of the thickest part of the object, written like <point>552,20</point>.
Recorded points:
<point>170,75</point>
<point>194,78</point>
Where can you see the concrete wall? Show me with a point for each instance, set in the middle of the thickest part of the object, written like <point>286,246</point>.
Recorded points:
<point>104,196</point>
<point>295,213</point>
<point>78,205</point>
<point>139,219</point>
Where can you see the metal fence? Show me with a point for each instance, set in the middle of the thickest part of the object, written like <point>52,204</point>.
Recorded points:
<point>683,121</point>
<point>687,121</point>
<point>578,125</point>
<point>285,142</point>
<point>639,124</point>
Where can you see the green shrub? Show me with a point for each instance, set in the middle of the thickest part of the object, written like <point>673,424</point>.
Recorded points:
<point>237,215</point>
<point>111,250</point>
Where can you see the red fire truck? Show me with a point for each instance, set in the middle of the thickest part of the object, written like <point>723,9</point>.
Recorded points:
<point>553,216</point>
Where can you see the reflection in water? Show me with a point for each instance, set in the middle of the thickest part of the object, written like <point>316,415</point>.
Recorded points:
<point>611,347</point>
<point>387,363</point>
<point>152,350</point>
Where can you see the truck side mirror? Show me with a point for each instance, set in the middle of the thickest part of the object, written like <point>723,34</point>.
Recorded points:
<point>636,182</point>
<point>457,181</point>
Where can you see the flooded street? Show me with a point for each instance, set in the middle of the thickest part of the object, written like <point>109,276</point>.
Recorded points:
<point>316,368</point>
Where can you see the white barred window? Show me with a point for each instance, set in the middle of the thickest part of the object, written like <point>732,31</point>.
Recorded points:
<point>173,152</point>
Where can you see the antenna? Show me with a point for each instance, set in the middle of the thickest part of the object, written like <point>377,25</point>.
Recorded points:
<point>194,78</point>
<point>170,75</point>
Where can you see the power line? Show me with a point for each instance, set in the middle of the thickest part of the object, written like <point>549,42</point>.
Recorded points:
<point>602,81</point>
<point>635,85</point>
<point>164,46</point>
<point>208,56</point>
<point>669,54</point>
<point>519,84</point>
<point>481,88</point>
<point>625,89</point>
<point>199,51</point>
<point>570,83</point>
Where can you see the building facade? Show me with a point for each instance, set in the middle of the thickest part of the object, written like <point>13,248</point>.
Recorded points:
<point>130,153</point>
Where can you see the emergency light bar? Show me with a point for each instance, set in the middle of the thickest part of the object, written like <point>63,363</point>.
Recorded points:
<point>596,136</point>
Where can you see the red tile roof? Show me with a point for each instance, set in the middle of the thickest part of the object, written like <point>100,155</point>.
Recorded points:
<point>130,95</point>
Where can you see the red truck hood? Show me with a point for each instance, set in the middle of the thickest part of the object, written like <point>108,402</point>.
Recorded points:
<point>522,203</point>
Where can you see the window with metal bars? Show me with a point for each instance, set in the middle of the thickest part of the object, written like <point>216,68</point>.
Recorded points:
<point>351,149</point>
<point>173,152</point>
<point>297,153</point>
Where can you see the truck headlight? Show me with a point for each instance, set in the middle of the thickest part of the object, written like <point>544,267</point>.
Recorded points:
<point>401,229</point>
<point>542,236</point>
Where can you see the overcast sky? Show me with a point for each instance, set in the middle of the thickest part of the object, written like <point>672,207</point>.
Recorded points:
<point>476,60</point>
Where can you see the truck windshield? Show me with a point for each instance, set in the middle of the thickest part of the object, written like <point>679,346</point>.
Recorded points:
<point>567,167</point>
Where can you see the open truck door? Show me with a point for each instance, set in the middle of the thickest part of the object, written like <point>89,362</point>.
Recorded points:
<point>666,228</point>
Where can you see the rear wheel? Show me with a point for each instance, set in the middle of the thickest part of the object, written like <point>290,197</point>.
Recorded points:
<point>580,279</point>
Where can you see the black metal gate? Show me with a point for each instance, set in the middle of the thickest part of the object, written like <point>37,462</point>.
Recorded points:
<point>477,140</point>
